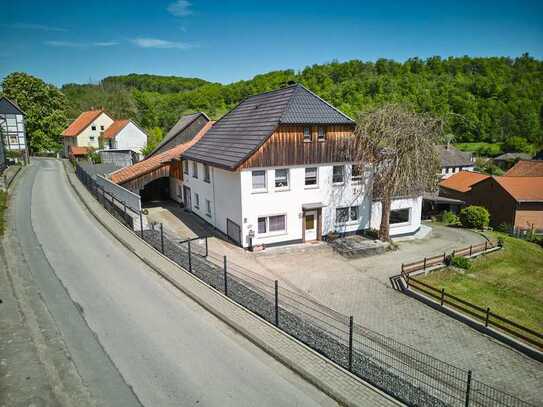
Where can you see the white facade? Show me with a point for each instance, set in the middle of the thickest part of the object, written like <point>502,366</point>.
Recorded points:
<point>90,136</point>
<point>405,215</point>
<point>130,137</point>
<point>13,131</point>
<point>446,172</point>
<point>274,206</point>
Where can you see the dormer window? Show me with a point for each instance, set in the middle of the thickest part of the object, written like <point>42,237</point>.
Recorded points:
<point>322,134</point>
<point>307,135</point>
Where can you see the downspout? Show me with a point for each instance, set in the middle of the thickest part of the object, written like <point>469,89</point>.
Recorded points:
<point>214,202</point>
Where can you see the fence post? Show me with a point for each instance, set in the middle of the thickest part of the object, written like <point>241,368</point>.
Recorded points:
<point>425,264</point>
<point>468,388</point>
<point>207,248</point>
<point>162,238</point>
<point>453,253</point>
<point>190,258</point>
<point>276,284</point>
<point>442,296</point>
<point>470,250</point>
<point>124,210</point>
<point>402,267</point>
<point>486,317</point>
<point>141,224</point>
<point>486,243</point>
<point>444,257</point>
<point>225,278</point>
<point>351,324</point>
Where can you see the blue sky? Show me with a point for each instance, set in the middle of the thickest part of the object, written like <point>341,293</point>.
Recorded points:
<point>68,41</point>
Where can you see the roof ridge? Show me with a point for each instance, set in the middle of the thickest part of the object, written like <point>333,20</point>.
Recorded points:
<point>14,104</point>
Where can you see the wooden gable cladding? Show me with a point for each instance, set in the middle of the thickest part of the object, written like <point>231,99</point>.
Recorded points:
<point>176,169</point>
<point>286,146</point>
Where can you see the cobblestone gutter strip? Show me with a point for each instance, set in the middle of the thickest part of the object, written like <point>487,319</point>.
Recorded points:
<point>339,384</point>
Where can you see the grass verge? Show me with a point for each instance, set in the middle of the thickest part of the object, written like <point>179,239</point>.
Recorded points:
<point>509,281</point>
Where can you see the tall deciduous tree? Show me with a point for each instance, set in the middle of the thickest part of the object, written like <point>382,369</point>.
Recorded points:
<point>401,147</point>
<point>45,108</point>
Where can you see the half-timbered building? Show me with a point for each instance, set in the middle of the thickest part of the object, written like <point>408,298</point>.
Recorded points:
<point>277,170</point>
<point>12,129</point>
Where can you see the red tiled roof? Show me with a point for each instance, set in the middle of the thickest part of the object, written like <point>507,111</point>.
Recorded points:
<point>526,168</point>
<point>462,181</point>
<point>115,128</point>
<point>81,123</point>
<point>523,188</point>
<point>77,151</point>
<point>156,161</point>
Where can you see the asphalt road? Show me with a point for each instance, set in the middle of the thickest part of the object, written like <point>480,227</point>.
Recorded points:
<point>134,338</point>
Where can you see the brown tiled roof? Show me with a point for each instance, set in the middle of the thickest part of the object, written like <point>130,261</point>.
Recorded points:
<point>81,123</point>
<point>152,163</point>
<point>79,150</point>
<point>115,128</point>
<point>526,168</point>
<point>523,189</point>
<point>462,181</point>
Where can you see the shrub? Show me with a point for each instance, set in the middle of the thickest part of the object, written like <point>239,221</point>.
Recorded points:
<point>475,217</point>
<point>450,218</point>
<point>460,262</point>
<point>373,233</point>
<point>504,228</point>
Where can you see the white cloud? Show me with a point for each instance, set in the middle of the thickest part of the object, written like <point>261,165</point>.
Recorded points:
<point>71,44</point>
<point>157,43</point>
<point>36,27</point>
<point>180,8</point>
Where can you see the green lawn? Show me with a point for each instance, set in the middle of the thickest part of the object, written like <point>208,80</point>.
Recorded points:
<point>509,281</point>
<point>3,203</point>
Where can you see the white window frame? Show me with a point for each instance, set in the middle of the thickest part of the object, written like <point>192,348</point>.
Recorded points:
<point>268,233</point>
<point>207,174</point>
<point>349,220</point>
<point>197,200</point>
<point>400,224</point>
<point>342,175</point>
<point>321,134</point>
<point>357,178</point>
<point>195,169</point>
<point>316,184</point>
<point>308,136</point>
<point>342,222</point>
<point>285,187</point>
<point>185,167</point>
<point>260,190</point>
<point>208,208</point>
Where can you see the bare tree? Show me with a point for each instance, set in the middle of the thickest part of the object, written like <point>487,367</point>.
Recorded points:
<point>401,147</point>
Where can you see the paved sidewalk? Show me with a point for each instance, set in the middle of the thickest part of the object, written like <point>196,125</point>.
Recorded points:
<point>361,288</point>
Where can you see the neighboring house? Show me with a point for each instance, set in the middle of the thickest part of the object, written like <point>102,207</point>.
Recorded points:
<point>12,126</point>
<point>124,135</point>
<point>276,170</point>
<point>526,168</point>
<point>120,158</point>
<point>516,201</point>
<point>458,186</point>
<point>454,160</point>
<point>85,131</point>
<point>508,159</point>
<point>183,131</point>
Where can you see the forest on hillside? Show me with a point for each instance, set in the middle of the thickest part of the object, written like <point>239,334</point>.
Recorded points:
<point>488,100</point>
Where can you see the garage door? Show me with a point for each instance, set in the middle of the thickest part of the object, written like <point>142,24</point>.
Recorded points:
<point>233,231</point>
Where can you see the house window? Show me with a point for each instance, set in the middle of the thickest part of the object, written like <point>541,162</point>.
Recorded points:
<point>311,175</point>
<point>281,178</point>
<point>197,201</point>
<point>102,128</point>
<point>272,224</point>
<point>348,214</point>
<point>259,180</point>
<point>322,134</point>
<point>93,128</point>
<point>342,215</point>
<point>356,172</point>
<point>91,138</point>
<point>307,135</point>
<point>194,169</point>
<point>186,167</point>
<point>338,174</point>
<point>208,207</point>
<point>400,216</point>
<point>206,173</point>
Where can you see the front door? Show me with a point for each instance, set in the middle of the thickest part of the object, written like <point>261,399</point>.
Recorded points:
<point>310,220</point>
<point>186,198</point>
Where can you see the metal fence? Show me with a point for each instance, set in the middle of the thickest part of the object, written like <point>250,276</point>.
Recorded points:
<point>401,371</point>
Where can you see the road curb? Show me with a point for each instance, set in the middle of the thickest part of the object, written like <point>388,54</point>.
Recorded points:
<point>336,382</point>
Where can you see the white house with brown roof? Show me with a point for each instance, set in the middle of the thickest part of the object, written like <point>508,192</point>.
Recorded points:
<point>124,135</point>
<point>276,170</point>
